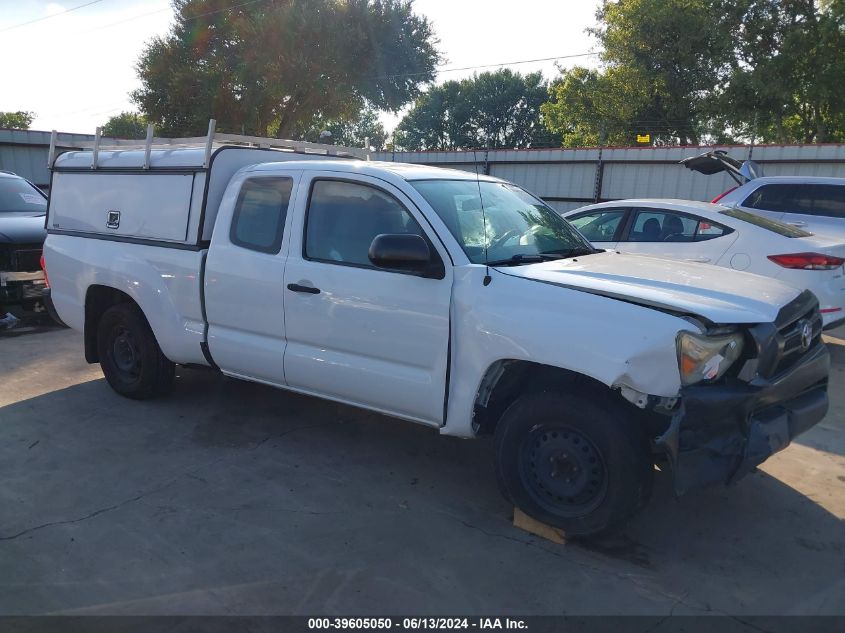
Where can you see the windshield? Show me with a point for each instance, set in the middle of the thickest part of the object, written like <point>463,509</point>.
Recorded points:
<point>766,223</point>
<point>18,196</point>
<point>518,226</point>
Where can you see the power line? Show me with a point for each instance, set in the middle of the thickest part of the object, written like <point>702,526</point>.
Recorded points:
<point>47,17</point>
<point>452,70</point>
<point>523,61</point>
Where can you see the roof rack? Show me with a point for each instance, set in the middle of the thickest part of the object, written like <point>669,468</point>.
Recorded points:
<point>209,142</point>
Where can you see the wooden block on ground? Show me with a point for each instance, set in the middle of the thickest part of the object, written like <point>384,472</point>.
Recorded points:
<point>533,526</point>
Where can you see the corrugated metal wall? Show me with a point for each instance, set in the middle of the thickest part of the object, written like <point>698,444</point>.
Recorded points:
<point>565,178</point>
<point>570,178</point>
<point>24,152</point>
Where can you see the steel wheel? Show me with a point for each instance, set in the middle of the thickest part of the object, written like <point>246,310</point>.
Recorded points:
<point>563,471</point>
<point>125,352</point>
<point>129,354</point>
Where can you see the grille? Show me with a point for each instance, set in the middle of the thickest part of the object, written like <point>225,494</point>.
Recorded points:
<point>790,335</point>
<point>26,259</point>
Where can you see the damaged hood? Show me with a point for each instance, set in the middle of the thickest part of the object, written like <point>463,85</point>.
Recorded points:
<point>22,228</point>
<point>717,294</point>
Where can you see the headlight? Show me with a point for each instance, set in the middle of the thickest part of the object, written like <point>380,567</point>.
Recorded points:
<point>706,357</point>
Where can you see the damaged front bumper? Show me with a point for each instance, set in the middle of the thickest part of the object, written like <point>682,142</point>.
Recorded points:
<point>720,433</point>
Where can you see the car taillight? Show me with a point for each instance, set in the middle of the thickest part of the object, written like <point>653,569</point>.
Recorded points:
<point>44,268</point>
<point>808,261</point>
<point>722,195</point>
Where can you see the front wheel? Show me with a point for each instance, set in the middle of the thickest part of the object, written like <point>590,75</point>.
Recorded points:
<point>130,357</point>
<point>580,465</point>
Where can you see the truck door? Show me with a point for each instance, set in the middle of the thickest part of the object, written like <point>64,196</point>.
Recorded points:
<point>244,273</point>
<point>355,332</point>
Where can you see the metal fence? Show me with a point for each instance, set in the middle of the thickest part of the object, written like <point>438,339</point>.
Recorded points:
<point>24,152</point>
<point>565,178</point>
<point>570,178</point>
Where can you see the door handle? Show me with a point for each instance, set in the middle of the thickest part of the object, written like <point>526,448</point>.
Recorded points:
<point>699,260</point>
<point>799,224</point>
<point>311,290</point>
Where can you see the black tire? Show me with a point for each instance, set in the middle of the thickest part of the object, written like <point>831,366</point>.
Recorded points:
<point>580,464</point>
<point>130,356</point>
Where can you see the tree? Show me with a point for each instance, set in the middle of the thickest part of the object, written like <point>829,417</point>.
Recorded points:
<point>715,70</point>
<point>589,108</point>
<point>20,120</point>
<point>788,81</point>
<point>661,59</point>
<point>126,125</point>
<point>351,132</point>
<point>271,67</point>
<point>491,109</point>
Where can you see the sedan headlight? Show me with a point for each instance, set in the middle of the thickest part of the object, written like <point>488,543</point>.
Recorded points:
<point>706,357</point>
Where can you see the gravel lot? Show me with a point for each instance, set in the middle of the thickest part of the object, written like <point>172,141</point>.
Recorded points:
<point>234,498</point>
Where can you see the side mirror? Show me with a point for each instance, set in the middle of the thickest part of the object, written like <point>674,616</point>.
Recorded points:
<point>401,251</point>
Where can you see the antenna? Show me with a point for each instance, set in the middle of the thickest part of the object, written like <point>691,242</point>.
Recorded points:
<point>487,277</point>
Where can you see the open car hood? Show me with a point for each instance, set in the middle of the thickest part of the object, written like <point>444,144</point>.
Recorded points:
<point>683,288</point>
<point>718,161</point>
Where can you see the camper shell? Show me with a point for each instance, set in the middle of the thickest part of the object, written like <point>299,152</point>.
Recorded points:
<point>175,200</point>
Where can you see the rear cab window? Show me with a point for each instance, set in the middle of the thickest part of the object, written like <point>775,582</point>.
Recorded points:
<point>787,230</point>
<point>258,221</point>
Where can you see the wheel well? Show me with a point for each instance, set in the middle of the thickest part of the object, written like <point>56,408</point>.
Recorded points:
<point>506,380</point>
<point>98,299</point>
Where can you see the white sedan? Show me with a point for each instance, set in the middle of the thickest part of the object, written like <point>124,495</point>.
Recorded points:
<point>730,237</point>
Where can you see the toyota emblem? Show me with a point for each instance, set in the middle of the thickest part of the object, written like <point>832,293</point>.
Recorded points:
<point>806,335</point>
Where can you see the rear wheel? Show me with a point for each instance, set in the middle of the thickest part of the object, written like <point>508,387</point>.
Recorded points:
<point>130,357</point>
<point>573,463</point>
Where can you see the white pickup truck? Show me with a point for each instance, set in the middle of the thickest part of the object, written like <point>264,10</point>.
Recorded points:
<point>457,301</point>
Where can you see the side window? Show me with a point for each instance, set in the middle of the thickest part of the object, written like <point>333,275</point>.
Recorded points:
<point>808,199</point>
<point>258,222</point>
<point>708,230</point>
<point>829,200</point>
<point>599,226</point>
<point>345,217</point>
<point>781,198</point>
<point>656,225</point>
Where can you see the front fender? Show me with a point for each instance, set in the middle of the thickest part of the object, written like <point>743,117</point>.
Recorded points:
<point>612,341</point>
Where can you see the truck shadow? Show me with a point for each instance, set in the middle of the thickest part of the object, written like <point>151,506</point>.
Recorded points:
<point>226,475</point>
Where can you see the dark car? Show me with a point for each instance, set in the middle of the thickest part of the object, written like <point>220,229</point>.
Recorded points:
<point>22,210</point>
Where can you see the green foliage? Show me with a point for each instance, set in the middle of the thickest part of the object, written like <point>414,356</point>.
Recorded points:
<point>20,120</point>
<point>126,125</point>
<point>688,71</point>
<point>273,66</point>
<point>661,60</point>
<point>351,132</point>
<point>788,84</point>
<point>490,110</point>
<point>589,108</point>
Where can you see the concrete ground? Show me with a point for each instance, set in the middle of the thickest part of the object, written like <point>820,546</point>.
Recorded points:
<point>234,498</point>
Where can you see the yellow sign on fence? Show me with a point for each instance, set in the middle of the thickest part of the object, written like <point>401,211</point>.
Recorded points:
<point>643,138</point>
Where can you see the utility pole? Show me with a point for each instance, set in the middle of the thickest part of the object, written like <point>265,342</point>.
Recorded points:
<point>753,136</point>
<point>599,165</point>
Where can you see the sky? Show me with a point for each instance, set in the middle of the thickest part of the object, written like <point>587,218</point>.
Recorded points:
<point>75,69</point>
